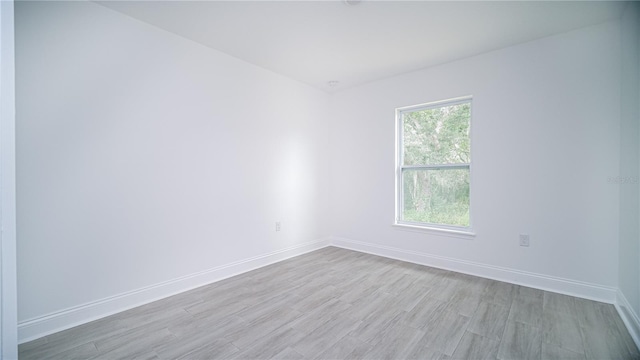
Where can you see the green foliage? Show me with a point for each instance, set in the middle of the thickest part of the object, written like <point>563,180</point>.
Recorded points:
<point>456,216</point>
<point>437,137</point>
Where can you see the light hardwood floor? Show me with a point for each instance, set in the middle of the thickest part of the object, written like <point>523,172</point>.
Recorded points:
<point>340,304</point>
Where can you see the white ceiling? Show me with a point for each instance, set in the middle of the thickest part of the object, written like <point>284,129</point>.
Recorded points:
<point>320,41</point>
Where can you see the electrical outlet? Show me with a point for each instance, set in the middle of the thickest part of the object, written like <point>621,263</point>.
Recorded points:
<point>524,240</point>
<point>278,227</point>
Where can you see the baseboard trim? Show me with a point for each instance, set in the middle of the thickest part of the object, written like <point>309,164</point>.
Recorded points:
<point>61,320</point>
<point>629,317</point>
<point>538,281</point>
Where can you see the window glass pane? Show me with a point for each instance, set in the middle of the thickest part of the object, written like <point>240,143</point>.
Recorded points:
<point>436,196</point>
<point>437,136</point>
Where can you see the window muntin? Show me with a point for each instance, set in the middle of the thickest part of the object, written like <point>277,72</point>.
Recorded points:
<point>434,165</point>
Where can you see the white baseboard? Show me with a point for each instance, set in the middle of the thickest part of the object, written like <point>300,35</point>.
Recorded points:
<point>629,317</point>
<point>538,281</point>
<point>44,325</point>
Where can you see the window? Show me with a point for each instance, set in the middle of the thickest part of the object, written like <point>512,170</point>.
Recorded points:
<point>434,165</point>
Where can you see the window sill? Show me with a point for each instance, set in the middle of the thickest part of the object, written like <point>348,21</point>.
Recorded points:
<point>460,234</point>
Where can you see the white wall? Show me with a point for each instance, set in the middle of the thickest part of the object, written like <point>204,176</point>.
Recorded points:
<point>629,257</point>
<point>143,157</point>
<point>8,298</point>
<point>545,139</point>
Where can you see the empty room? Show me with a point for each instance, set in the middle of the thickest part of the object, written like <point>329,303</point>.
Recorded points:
<point>341,179</point>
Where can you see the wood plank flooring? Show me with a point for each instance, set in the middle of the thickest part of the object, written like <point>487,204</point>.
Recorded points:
<point>340,304</point>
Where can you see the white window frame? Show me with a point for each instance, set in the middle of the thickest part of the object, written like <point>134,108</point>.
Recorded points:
<point>441,229</point>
